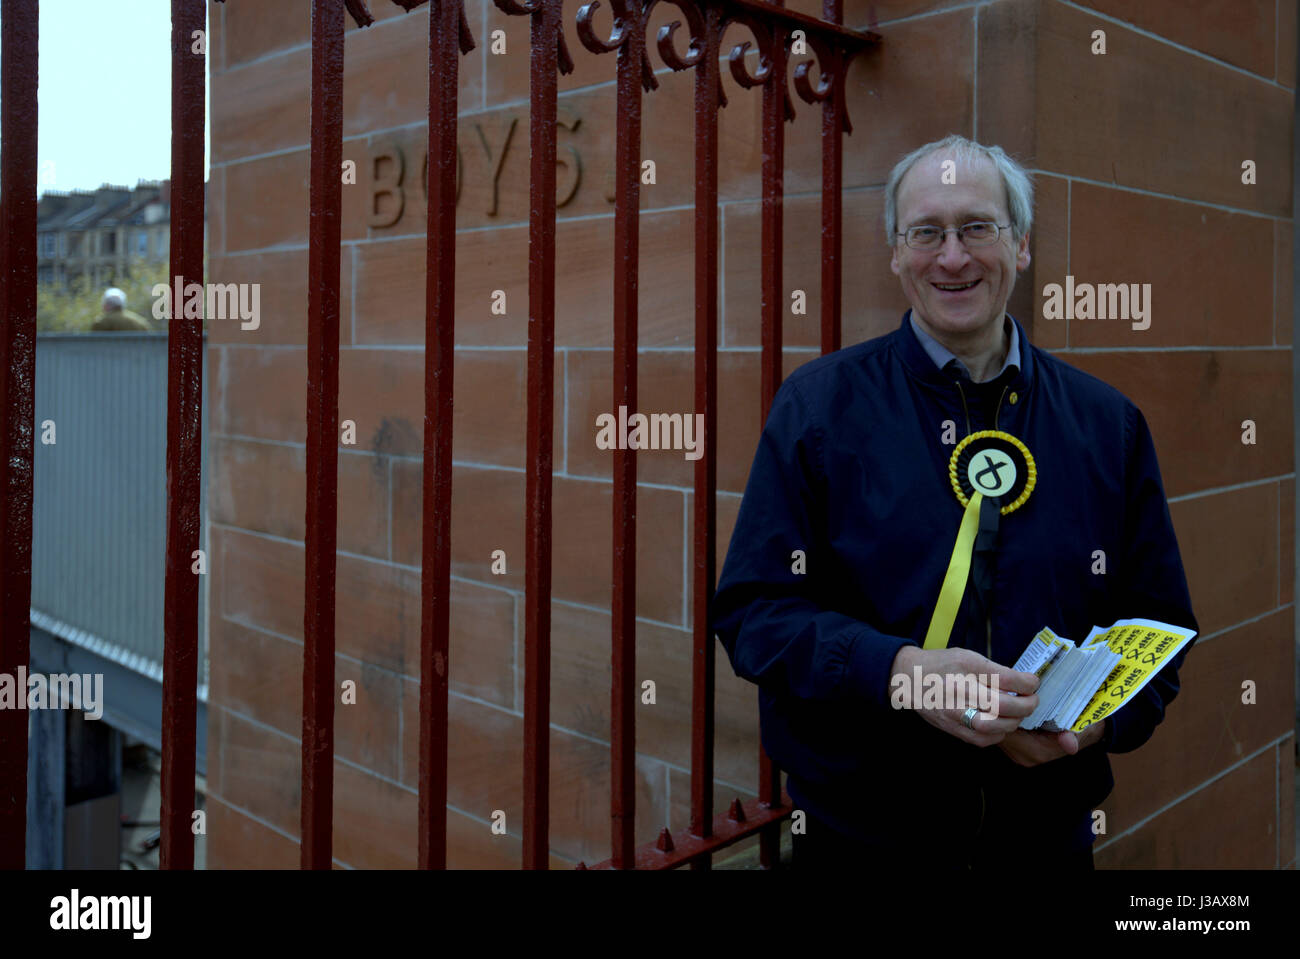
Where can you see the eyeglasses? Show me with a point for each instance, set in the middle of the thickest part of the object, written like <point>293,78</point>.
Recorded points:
<point>975,233</point>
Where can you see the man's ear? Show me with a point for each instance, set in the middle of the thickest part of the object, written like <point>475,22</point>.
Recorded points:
<point>1022,254</point>
<point>894,264</point>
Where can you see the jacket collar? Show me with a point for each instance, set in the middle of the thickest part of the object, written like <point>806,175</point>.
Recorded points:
<point>922,367</point>
<point>943,357</point>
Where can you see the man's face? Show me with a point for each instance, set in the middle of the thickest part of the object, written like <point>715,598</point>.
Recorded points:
<point>928,277</point>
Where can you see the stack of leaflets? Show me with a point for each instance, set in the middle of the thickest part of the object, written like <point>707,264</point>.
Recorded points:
<point>1079,686</point>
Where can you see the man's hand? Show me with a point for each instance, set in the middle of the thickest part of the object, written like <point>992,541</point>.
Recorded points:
<point>1031,747</point>
<point>963,664</point>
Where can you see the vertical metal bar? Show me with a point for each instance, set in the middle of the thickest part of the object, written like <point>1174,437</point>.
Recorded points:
<point>832,179</point>
<point>322,432</point>
<point>773,306</point>
<point>542,91</point>
<point>706,400</point>
<point>18,119</point>
<point>627,213</point>
<point>439,362</point>
<point>773,299</point>
<point>184,439</point>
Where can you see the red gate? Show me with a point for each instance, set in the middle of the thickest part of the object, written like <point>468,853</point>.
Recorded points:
<point>775,30</point>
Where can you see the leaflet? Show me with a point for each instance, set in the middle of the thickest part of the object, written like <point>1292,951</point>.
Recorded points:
<point>1082,685</point>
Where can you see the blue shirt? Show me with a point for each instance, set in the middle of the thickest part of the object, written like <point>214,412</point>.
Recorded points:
<point>942,356</point>
<point>851,470</point>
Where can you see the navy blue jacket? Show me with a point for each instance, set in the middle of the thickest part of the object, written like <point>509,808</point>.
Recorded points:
<point>852,469</point>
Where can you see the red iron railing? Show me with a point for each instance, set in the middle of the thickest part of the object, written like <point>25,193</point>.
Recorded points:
<point>774,29</point>
<point>17,393</point>
<point>184,436</point>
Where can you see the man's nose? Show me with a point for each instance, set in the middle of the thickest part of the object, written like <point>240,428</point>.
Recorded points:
<point>952,252</point>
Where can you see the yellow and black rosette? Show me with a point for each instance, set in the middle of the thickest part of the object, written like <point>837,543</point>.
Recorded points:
<point>992,474</point>
<point>993,463</point>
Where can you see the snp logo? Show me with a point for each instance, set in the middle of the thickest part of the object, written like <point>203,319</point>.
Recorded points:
<point>102,912</point>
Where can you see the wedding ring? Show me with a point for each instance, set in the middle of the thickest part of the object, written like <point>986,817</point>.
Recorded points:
<point>968,717</point>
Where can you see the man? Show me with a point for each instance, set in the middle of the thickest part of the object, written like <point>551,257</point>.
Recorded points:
<point>116,316</point>
<point>834,579</point>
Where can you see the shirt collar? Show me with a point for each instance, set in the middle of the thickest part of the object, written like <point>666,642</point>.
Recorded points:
<point>943,357</point>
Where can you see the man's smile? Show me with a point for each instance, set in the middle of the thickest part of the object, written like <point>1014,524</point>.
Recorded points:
<point>956,287</point>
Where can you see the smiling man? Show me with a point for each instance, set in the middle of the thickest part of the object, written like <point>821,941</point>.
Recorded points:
<point>952,489</point>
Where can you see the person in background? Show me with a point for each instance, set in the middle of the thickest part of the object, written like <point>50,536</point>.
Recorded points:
<point>116,317</point>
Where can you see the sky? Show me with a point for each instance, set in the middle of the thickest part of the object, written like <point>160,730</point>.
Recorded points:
<point>104,93</point>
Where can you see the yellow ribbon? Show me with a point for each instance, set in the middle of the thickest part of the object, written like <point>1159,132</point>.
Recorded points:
<point>954,581</point>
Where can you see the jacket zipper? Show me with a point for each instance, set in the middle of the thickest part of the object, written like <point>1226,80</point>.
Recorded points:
<point>988,619</point>
<point>998,411</point>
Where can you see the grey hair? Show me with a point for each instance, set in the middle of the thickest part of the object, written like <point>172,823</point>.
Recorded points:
<point>1015,181</point>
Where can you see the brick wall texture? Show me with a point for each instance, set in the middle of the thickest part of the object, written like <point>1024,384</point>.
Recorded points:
<point>1137,157</point>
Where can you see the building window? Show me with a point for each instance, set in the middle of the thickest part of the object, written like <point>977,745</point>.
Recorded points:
<point>47,244</point>
<point>108,242</point>
<point>142,243</point>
